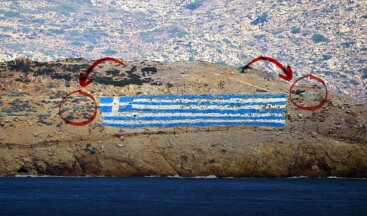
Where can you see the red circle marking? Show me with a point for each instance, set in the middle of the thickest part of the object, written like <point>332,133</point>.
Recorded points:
<point>311,108</point>
<point>88,121</point>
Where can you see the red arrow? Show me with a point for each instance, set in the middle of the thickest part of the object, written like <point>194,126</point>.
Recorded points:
<point>287,71</point>
<point>84,76</point>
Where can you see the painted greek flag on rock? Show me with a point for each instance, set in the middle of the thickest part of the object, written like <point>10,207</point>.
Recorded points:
<point>194,110</point>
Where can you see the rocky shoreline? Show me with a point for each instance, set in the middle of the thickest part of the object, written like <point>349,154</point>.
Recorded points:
<point>224,154</point>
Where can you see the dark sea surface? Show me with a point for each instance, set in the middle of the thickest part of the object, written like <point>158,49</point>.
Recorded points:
<point>182,196</point>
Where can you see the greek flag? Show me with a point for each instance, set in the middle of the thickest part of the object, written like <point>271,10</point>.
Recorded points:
<point>194,110</point>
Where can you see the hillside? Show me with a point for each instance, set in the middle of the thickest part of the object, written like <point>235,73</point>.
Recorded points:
<point>325,38</point>
<point>34,140</point>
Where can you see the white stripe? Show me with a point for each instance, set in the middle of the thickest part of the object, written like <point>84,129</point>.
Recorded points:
<point>163,114</point>
<point>187,121</point>
<point>115,106</point>
<point>113,103</point>
<point>232,100</point>
<point>206,107</point>
<point>258,100</point>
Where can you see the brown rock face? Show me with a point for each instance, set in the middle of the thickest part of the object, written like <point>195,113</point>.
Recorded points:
<point>196,154</point>
<point>331,141</point>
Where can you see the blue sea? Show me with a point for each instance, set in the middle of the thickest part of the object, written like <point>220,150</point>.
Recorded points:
<point>182,196</point>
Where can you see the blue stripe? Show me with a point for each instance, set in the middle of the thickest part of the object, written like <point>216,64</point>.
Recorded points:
<point>203,100</point>
<point>270,110</point>
<point>106,109</point>
<point>208,103</point>
<point>211,97</point>
<point>198,124</point>
<point>168,118</point>
<point>104,100</point>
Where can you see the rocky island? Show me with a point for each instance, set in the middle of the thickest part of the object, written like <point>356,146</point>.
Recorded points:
<point>34,140</point>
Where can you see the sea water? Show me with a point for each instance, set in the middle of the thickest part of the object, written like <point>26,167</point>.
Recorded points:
<point>182,196</point>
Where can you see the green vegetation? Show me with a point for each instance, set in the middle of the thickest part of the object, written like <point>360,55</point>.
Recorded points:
<point>14,94</point>
<point>44,71</point>
<point>110,81</point>
<point>18,105</point>
<point>149,70</point>
<point>131,79</point>
<point>113,72</point>
<point>105,81</point>
<point>40,64</point>
<point>21,79</point>
<point>66,77</point>
<point>319,38</point>
<point>75,67</point>
<point>55,64</point>
<point>51,85</point>
<point>19,65</point>
<point>51,72</point>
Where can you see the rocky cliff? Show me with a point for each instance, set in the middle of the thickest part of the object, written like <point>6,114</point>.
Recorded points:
<point>34,140</point>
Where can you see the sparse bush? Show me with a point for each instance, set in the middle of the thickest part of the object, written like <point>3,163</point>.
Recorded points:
<point>22,65</point>
<point>113,72</point>
<point>40,64</point>
<point>70,117</point>
<point>75,68</point>
<point>131,79</point>
<point>149,70</point>
<point>66,77</point>
<point>15,94</point>
<point>44,71</point>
